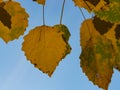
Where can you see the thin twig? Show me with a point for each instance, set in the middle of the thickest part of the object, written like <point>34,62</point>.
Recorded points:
<point>62,12</point>
<point>82,14</point>
<point>43,15</point>
<point>88,8</point>
<point>86,22</point>
<point>87,4</point>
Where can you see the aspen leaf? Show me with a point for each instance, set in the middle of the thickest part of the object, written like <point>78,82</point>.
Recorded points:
<point>64,29</point>
<point>91,5</point>
<point>65,36</point>
<point>117,58</point>
<point>13,21</point>
<point>114,36</point>
<point>46,46</point>
<point>110,12</point>
<point>101,26</point>
<point>5,17</point>
<point>40,1</point>
<point>97,55</point>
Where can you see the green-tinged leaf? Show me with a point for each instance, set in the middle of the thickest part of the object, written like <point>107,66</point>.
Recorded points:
<point>13,20</point>
<point>114,36</point>
<point>91,5</point>
<point>110,12</point>
<point>117,58</point>
<point>97,55</point>
<point>64,29</point>
<point>45,47</point>
<point>65,36</point>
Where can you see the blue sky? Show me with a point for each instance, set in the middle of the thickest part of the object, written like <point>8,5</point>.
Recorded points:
<point>19,74</point>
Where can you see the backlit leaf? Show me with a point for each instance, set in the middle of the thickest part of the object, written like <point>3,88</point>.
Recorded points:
<point>114,36</point>
<point>110,12</point>
<point>97,55</point>
<point>5,17</point>
<point>91,5</point>
<point>13,20</point>
<point>46,46</point>
<point>65,36</point>
<point>40,1</point>
<point>117,58</point>
<point>101,26</point>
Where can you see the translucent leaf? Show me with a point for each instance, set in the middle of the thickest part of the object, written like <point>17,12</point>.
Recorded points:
<point>13,20</point>
<point>114,36</point>
<point>40,1</point>
<point>117,58</point>
<point>97,55</point>
<point>100,25</point>
<point>65,36</point>
<point>64,29</point>
<point>110,12</point>
<point>45,46</point>
<point>91,5</point>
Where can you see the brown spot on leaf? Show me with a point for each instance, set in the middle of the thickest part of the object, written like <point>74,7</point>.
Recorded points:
<point>101,26</point>
<point>94,2</point>
<point>5,18</point>
<point>117,32</point>
<point>46,53</point>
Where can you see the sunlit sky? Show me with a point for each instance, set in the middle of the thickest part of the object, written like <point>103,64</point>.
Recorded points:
<point>16,73</point>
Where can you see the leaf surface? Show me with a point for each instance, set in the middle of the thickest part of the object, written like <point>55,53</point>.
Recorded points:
<point>46,46</point>
<point>97,55</point>
<point>5,17</point>
<point>13,20</point>
<point>91,5</point>
<point>101,26</point>
<point>114,36</point>
<point>40,1</point>
<point>110,12</point>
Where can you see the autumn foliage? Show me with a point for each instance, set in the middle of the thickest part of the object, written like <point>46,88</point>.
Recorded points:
<point>45,46</point>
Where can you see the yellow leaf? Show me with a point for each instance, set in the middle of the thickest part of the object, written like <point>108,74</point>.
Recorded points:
<point>90,5</point>
<point>5,17</point>
<point>13,21</point>
<point>85,34</point>
<point>97,55</point>
<point>112,33</point>
<point>110,12</point>
<point>111,36</point>
<point>45,46</point>
<point>64,29</point>
<point>114,36</point>
<point>40,1</point>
